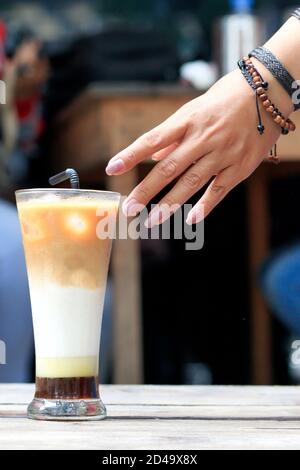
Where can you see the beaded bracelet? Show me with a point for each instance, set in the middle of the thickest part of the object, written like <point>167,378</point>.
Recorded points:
<point>260,86</point>
<point>250,79</point>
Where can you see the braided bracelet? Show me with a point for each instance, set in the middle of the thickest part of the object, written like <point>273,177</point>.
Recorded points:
<point>278,70</point>
<point>296,13</point>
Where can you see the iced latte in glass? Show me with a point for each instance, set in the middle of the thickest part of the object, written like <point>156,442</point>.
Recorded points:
<point>67,258</point>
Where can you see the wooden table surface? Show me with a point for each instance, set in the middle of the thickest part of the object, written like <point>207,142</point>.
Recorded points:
<point>163,417</point>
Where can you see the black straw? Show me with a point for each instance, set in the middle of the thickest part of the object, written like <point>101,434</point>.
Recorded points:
<point>68,174</point>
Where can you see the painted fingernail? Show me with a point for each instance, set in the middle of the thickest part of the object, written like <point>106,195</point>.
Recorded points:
<point>132,207</point>
<point>194,218</point>
<point>190,218</point>
<point>115,166</point>
<point>155,218</point>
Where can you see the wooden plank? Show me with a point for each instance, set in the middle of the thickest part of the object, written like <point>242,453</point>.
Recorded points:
<point>103,91</point>
<point>77,141</point>
<point>216,395</point>
<point>148,434</point>
<point>282,413</point>
<point>127,314</point>
<point>258,232</point>
<point>163,417</point>
<point>80,136</point>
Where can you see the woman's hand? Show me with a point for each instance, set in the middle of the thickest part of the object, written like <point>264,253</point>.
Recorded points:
<point>211,138</point>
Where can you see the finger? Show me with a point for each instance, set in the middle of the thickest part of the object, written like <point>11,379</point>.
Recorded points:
<point>224,182</point>
<point>160,176</point>
<point>188,184</point>
<point>157,156</point>
<point>158,138</point>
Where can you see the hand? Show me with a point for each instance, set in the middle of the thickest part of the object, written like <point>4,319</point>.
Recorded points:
<point>212,138</point>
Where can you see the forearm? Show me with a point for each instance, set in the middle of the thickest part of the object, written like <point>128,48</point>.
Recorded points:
<point>285,45</point>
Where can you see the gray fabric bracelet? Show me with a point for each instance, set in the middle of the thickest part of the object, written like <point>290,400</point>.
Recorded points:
<point>277,69</point>
<point>296,14</point>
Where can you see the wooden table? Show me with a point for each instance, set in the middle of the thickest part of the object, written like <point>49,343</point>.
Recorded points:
<point>163,417</point>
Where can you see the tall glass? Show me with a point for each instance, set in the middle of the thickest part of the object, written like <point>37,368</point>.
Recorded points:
<point>67,248</point>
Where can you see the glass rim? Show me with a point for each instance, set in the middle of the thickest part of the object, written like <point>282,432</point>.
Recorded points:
<point>65,190</point>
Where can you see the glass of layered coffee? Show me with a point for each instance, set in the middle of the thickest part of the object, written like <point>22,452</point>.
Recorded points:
<point>67,236</point>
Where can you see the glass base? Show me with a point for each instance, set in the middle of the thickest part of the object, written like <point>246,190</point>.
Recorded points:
<point>66,410</point>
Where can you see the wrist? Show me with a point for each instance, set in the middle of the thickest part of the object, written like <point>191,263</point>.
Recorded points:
<point>277,93</point>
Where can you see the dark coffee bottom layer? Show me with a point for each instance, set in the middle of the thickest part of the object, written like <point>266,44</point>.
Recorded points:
<point>70,388</point>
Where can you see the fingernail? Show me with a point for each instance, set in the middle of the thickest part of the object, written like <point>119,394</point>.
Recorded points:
<point>132,207</point>
<point>115,166</point>
<point>155,218</point>
<point>192,218</point>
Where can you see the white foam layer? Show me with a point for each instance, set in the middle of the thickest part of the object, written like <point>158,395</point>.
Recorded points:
<point>66,320</point>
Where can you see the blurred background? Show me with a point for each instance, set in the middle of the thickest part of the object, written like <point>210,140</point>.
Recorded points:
<point>85,78</point>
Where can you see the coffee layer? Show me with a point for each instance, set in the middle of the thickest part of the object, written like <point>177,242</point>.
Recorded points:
<point>61,243</point>
<point>73,388</point>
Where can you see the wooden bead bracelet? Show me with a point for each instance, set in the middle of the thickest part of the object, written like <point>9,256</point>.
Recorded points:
<point>260,87</point>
